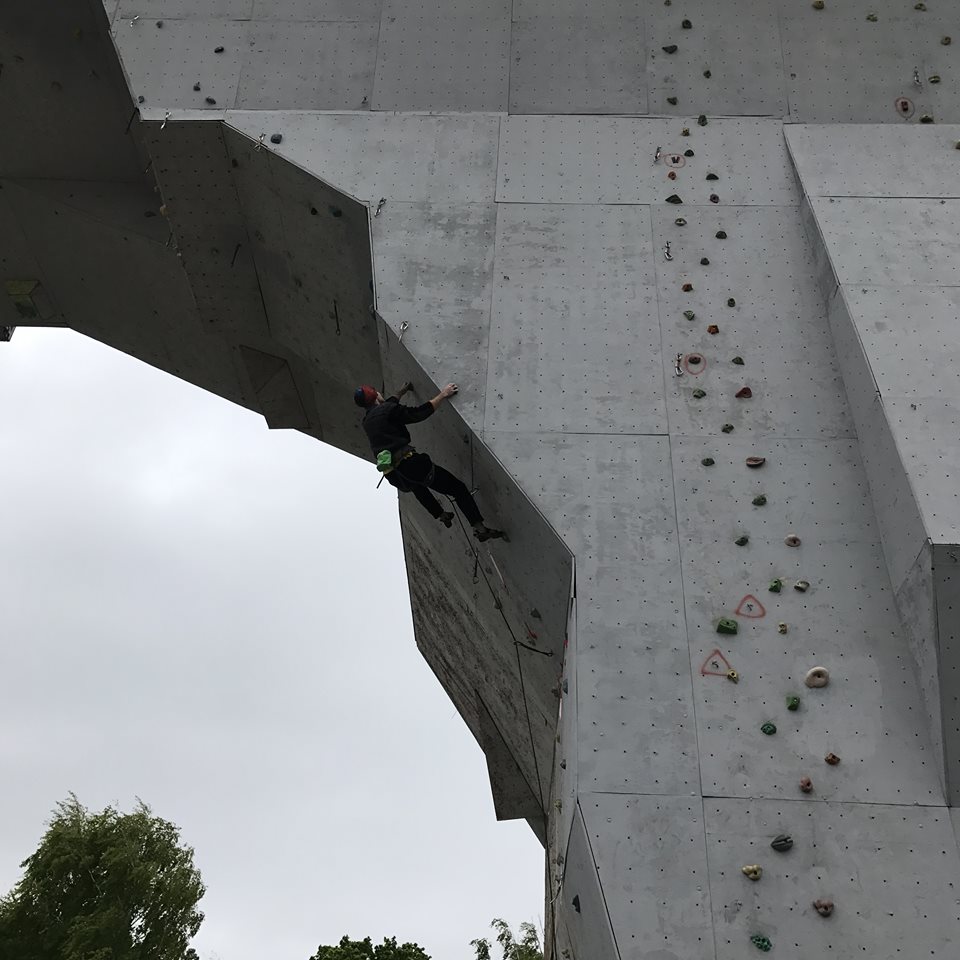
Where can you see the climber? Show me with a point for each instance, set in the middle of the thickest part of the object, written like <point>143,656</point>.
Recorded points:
<point>409,471</point>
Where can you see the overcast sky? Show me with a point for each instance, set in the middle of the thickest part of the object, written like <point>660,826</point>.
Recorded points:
<point>192,613</point>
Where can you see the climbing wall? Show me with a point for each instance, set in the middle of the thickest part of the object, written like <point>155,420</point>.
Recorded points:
<point>692,264</point>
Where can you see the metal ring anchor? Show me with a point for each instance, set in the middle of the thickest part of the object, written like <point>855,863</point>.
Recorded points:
<point>165,119</point>
<point>667,255</point>
<point>677,368</point>
<point>383,200</point>
<point>404,327</point>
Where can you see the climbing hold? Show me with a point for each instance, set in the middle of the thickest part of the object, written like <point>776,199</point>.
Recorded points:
<point>926,118</point>
<point>670,48</point>
<point>919,6</point>
<point>738,361</point>
<point>806,785</point>
<point>687,25</point>
<point>742,541</point>
<point>707,74</point>
<point>699,394</point>
<point>159,24</point>
<point>218,49</point>
<point>721,235</point>
<point>946,41</point>
<point>755,462</point>
<point>752,871</point>
<point>761,942</point>
<point>702,120</point>
<point>768,728</point>
<point>832,759</point>
<point>673,198</point>
<point>713,329</point>
<point>712,176</point>
<point>733,676</point>
<point>196,87</point>
<point>211,101</point>
<point>817,677</point>
<point>775,585</point>
<point>680,222</point>
<point>934,79</point>
<point>276,138</point>
<point>872,17</point>
<point>793,702</point>
<point>727,428</point>
<point>704,262</point>
<point>672,101</point>
<point>689,314</point>
<point>688,152</point>
<point>714,198</point>
<point>791,540</point>
<point>687,287</point>
<point>685,132</point>
<point>802,586</point>
<point>727,625</point>
<point>744,393</point>
<point>708,461</point>
<point>782,842</point>
<point>823,906</point>
<point>694,359</point>
<point>731,302</point>
<point>760,500</point>
<point>818,4</point>
<point>672,175</point>
<point>141,99</point>
<point>782,627</point>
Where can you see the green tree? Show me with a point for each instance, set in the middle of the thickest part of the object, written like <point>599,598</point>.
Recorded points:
<point>348,949</point>
<point>104,886</point>
<point>526,948</point>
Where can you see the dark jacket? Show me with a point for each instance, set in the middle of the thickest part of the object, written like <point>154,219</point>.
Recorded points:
<point>386,424</point>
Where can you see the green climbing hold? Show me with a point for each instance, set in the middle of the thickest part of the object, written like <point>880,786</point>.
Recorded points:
<point>707,74</point>
<point>727,625</point>
<point>934,79</point>
<point>742,541</point>
<point>688,152</point>
<point>712,176</point>
<point>727,428</point>
<point>872,17</point>
<point>793,702</point>
<point>775,585</point>
<point>670,48</point>
<point>761,943</point>
<point>731,302</point>
<point>673,198</point>
<point>704,262</point>
<point>738,361</point>
<point>926,118</point>
<point>721,234</point>
<point>702,120</point>
<point>760,500</point>
<point>768,728</point>
<point>672,101</point>
<point>699,394</point>
<point>708,461</point>
<point>689,314</point>
<point>687,25</point>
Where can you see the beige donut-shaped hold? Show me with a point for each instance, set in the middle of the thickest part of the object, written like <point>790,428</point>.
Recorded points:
<point>817,677</point>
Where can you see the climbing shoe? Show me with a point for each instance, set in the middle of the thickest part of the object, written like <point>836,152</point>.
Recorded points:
<point>483,533</point>
<point>446,518</point>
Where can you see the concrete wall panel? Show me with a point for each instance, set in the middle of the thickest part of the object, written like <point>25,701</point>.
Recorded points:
<point>441,159</point>
<point>568,354</point>
<point>570,159</point>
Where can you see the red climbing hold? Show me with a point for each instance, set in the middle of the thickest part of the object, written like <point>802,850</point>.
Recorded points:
<point>744,393</point>
<point>751,607</point>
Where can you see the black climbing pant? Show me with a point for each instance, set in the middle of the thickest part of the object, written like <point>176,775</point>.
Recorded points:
<point>419,475</point>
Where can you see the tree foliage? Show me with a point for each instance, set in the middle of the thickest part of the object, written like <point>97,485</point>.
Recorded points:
<point>348,949</point>
<point>526,948</point>
<point>104,886</point>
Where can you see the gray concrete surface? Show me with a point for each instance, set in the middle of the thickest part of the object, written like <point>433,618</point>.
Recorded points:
<point>491,207</point>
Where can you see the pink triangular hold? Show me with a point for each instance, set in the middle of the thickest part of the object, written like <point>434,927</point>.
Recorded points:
<point>715,655</point>
<point>751,608</point>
